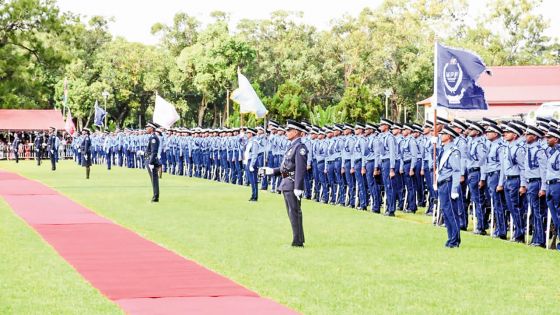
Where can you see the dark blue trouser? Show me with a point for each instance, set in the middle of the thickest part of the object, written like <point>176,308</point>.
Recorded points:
<point>410,183</point>
<point>553,202</point>
<point>538,209</point>
<point>419,182</point>
<point>374,191</point>
<point>450,211</point>
<point>350,184</point>
<point>389,184</point>
<point>108,158</point>
<point>398,188</point>
<point>360,184</point>
<point>332,180</point>
<point>340,181</point>
<point>497,202</point>
<point>323,183</point>
<point>252,177</point>
<point>432,194</point>
<point>473,178</point>
<point>316,180</point>
<point>513,202</point>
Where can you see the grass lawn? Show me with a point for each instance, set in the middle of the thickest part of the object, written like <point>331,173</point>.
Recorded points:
<point>353,263</point>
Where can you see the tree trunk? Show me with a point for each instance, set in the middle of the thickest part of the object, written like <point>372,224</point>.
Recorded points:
<point>202,110</point>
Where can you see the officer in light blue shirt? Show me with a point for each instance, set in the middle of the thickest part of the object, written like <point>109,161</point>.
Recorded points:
<point>371,158</point>
<point>490,177</point>
<point>358,165</point>
<point>388,156</point>
<point>552,184</point>
<point>409,155</point>
<point>476,156</point>
<point>512,178</point>
<point>349,187</point>
<point>448,183</point>
<point>535,177</point>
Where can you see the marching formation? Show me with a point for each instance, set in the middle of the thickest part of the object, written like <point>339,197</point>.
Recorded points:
<point>506,175</point>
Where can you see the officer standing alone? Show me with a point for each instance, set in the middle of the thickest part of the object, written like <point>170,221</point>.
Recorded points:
<point>151,157</point>
<point>293,169</point>
<point>85,149</point>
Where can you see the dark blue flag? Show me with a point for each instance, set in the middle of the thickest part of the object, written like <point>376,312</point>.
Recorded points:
<point>457,73</point>
<point>99,115</point>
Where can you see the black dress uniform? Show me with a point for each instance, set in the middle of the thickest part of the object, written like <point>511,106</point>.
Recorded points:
<point>292,170</point>
<point>15,147</point>
<point>85,149</point>
<point>38,147</point>
<point>152,161</point>
<point>52,147</point>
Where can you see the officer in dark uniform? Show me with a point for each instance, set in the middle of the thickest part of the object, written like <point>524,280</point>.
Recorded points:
<point>293,170</point>
<point>52,147</point>
<point>85,149</point>
<point>15,146</point>
<point>151,158</point>
<point>38,147</point>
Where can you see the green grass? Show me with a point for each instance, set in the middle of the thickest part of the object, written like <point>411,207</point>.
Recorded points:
<point>353,263</point>
<point>34,279</point>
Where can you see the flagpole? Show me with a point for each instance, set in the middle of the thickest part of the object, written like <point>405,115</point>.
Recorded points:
<point>434,105</point>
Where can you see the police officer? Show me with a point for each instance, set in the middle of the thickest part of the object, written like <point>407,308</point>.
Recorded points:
<point>535,176</point>
<point>85,149</point>
<point>52,147</point>
<point>552,183</point>
<point>38,147</point>
<point>151,157</point>
<point>15,146</point>
<point>293,169</point>
<point>448,185</point>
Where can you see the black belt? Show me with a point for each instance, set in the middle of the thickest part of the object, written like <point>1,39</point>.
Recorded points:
<point>444,181</point>
<point>530,180</point>
<point>473,169</point>
<point>552,181</point>
<point>512,177</point>
<point>405,162</point>
<point>383,160</point>
<point>492,173</point>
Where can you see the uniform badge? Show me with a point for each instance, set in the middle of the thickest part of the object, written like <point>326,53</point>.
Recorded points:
<point>302,151</point>
<point>153,140</point>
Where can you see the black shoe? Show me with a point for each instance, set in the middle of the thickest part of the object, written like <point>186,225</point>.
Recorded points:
<point>463,228</point>
<point>155,200</point>
<point>252,199</point>
<point>478,232</point>
<point>297,245</point>
<point>389,214</point>
<point>537,245</point>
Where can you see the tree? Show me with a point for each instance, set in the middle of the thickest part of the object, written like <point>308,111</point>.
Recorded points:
<point>32,52</point>
<point>211,65</point>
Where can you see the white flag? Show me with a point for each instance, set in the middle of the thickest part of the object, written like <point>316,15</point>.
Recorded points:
<point>164,113</point>
<point>247,98</point>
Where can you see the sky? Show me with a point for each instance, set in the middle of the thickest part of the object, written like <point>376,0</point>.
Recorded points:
<point>133,19</point>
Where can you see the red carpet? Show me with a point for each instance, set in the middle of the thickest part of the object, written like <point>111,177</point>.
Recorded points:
<point>139,275</point>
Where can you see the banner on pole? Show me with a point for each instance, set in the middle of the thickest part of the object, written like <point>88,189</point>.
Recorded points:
<point>457,73</point>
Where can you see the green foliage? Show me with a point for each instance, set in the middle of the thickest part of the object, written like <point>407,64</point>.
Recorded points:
<point>330,75</point>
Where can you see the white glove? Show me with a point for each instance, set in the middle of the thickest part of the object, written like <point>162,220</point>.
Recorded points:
<point>298,193</point>
<point>151,167</point>
<point>52,151</point>
<point>268,170</point>
<point>251,168</point>
<point>454,196</point>
<point>433,140</point>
